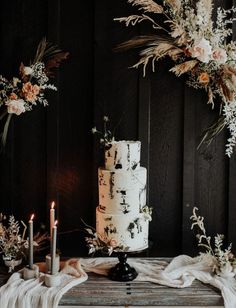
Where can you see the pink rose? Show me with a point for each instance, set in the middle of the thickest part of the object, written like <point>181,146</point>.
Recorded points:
<point>15,106</point>
<point>219,55</point>
<point>201,50</point>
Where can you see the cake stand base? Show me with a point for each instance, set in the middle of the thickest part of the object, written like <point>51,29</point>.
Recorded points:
<point>122,270</point>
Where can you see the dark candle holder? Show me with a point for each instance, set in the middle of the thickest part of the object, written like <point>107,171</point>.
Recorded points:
<point>122,271</point>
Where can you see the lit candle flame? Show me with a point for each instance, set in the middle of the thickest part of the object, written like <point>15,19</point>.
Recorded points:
<point>56,222</point>
<point>52,205</point>
<point>32,217</point>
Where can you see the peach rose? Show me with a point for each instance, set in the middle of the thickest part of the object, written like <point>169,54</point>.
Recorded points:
<point>219,55</point>
<point>13,96</point>
<point>15,106</point>
<point>30,91</point>
<point>204,78</point>
<point>113,243</point>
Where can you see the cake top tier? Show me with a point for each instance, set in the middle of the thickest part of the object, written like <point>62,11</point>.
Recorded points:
<point>123,155</point>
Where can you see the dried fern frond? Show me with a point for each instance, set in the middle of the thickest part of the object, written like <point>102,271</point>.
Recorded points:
<point>184,67</point>
<point>147,6</point>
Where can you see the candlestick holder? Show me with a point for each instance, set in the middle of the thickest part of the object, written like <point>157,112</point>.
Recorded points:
<point>122,271</point>
<point>52,280</point>
<point>29,273</point>
<point>56,264</point>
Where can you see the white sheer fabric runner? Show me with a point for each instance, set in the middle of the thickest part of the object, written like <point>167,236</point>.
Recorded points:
<point>180,273</point>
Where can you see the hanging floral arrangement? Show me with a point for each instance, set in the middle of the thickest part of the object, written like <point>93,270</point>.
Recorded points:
<point>21,93</point>
<point>200,48</point>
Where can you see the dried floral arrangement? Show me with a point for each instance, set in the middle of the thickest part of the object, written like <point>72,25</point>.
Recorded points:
<point>96,243</point>
<point>223,260</point>
<point>28,89</point>
<point>201,49</point>
<point>106,136</point>
<point>13,241</point>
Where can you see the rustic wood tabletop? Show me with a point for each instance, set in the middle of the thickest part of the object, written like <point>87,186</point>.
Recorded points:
<point>100,291</point>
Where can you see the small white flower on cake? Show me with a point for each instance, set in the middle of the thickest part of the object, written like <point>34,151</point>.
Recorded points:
<point>15,106</point>
<point>201,50</point>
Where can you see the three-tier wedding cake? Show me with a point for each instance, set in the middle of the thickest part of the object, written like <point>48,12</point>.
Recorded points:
<point>121,216</point>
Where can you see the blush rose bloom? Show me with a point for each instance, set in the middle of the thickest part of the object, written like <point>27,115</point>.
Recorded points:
<point>201,50</point>
<point>15,106</point>
<point>113,243</point>
<point>219,55</point>
<point>204,78</point>
<point>30,91</point>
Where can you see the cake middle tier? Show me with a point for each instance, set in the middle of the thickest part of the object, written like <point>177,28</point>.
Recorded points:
<point>122,191</point>
<point>127,231</point>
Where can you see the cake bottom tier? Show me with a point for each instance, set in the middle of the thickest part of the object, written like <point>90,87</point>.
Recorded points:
<point>129,231</point>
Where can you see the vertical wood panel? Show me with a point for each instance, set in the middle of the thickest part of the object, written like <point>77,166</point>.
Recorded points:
<point>166,160</point>
<point>232,181</point>
<point>188,170</point>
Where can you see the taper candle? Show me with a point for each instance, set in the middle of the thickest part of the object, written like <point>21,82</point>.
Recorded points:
<point>52,217</point>
<point>31,242</point>
<point>53,247</point>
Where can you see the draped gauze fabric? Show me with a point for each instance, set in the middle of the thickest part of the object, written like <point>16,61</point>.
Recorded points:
<point>180,273</point>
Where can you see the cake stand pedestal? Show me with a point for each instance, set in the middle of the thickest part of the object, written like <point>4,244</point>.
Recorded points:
<point>122,271</point>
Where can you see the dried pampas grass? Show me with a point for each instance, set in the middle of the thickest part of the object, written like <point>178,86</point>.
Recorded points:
<point>174,4</point>
<point>155,52</point>
<point>184,67</point>
<point>147,6</point>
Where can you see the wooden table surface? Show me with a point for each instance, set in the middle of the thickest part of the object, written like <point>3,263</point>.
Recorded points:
<point>100,291</point>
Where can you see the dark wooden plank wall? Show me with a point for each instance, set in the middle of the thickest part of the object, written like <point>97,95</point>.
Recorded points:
<point>51,153</point>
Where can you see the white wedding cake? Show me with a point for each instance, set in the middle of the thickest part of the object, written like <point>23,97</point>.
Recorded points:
<point>122,216</point>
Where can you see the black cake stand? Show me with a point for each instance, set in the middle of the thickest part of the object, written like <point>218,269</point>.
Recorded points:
<point>122,271</point>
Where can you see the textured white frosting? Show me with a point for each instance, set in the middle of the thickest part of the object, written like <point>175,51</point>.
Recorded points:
<point>122,191</point>
<point>127,230</point>
<point>122,195</point>
<point>122,155</point>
